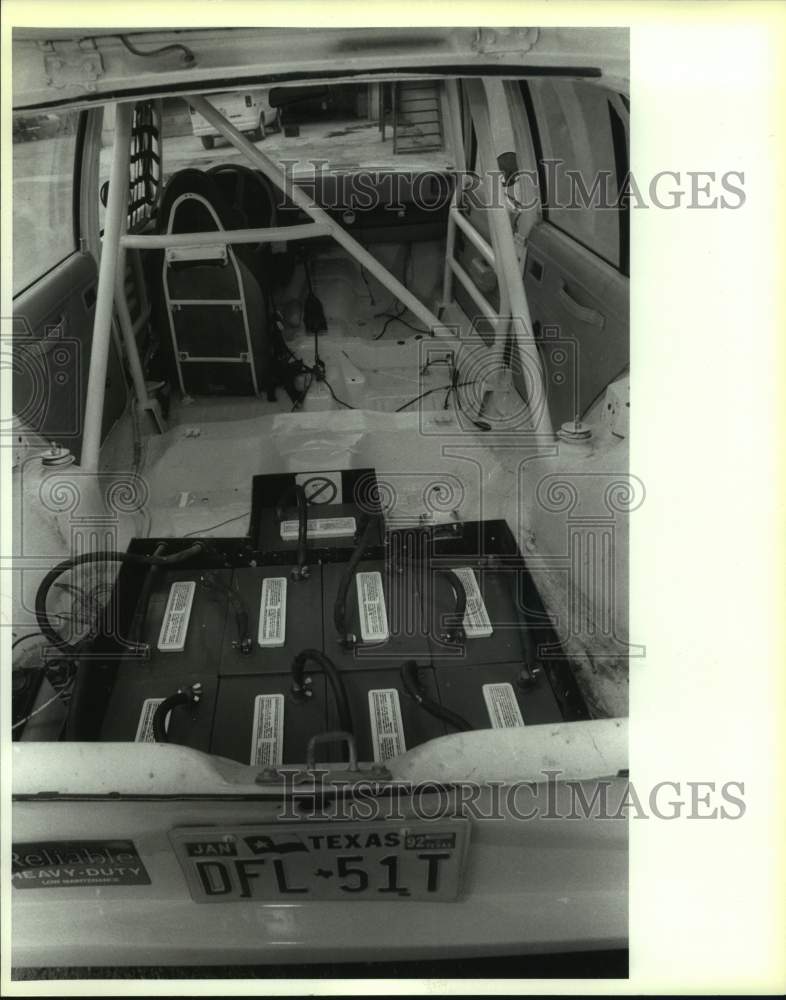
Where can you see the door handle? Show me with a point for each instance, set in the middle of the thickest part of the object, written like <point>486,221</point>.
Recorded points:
<point>583,313</point>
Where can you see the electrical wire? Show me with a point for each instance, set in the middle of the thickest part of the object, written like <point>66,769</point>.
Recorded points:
<point>368,286</point>
<point>188,55</point>
<point>100,556</point>
<point>296,490</point>
<point>413,687</point>
<point>397,318</point>
<point>482,425</point>
<point>340,605</point>
<point>428,392</point>
<point>55,696</point>
<point>335,397</point>
<point>185,696</point>
<point>212,582</point>
<point>336,683</point>
<point>221,524</point>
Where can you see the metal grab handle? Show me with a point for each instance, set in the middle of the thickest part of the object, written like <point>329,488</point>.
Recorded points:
<point>583,313</point>
<point>332,737</point>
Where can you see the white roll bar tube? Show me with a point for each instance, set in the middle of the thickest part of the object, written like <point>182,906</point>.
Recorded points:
<point>275,174</point>
<point>509,274</point>
<point>114,226</point>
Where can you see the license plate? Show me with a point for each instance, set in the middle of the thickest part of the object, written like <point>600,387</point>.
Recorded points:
<point>292,863</point>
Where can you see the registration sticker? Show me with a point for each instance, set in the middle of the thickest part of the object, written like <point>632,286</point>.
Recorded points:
<point>320,527</point>
<point>502,706</point>
<point>267,732</point>
<point>299,862</point>
<point>273,612</point>
<point>477,624</point>
<point>387,728</point>
<point>371,607</point>
<point>174,627</point>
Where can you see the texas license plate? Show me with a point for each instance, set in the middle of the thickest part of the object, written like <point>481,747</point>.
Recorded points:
<point>320,861</point>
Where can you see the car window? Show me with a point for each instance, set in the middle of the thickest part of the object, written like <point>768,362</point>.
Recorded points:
<point>580,153</point>
<point>344,127</point>
<point>144,182</point>
<point>44,146</point>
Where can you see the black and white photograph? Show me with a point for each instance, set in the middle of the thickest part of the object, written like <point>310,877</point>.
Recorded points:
<point>363,381</point>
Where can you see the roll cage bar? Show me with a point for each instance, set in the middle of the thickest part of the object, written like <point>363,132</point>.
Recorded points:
<point>513,315</point>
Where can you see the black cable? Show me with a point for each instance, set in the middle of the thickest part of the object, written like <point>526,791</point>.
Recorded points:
<point>482,425</point>
<point>335,397</point>
<point>104,555</point>
<point>188,55</point>
<point>296,490</point>
<point>336,682</point>
<point>368,286</point>
<point>396,317</point>
<point>428,392</point>
<point>143,601</point>
<point>413,687</point>
<point>340,605</point>
<point>185,696</point>
<point>244,641</point>
<point>455,632</point>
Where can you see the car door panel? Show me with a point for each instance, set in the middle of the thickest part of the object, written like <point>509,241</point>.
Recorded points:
<point>52,336</point>
<point>580,312</point>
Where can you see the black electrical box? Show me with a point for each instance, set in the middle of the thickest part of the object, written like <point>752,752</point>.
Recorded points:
<point>337,503</point>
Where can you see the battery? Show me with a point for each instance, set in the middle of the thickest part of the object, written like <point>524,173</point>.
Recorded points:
<point>387,721</point>
<point>464,690</point>
<point>258,722</point>
<point>495,626</point>
<point>337,503</point>
<point>290,615</point>
<point>383,611</point>
<point>184,623</point>
<point>139,689</point>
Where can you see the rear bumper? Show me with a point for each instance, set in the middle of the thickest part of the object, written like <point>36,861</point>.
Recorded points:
<point>537,882</point>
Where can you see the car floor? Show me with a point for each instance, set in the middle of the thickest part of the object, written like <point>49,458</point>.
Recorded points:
<point>199,472</point>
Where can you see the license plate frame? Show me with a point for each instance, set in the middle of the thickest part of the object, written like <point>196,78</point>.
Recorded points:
<point>300,862</point>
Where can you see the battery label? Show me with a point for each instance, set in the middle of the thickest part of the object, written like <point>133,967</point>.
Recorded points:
<point>477,624</point>
<point>387,727</point>
<point>144,730</point>
<point>267,734</point>
<point>172,638</point>
<point>320,527</point>
<point>502,706</point>
<point>371,606</point>
<point>273,612</point>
